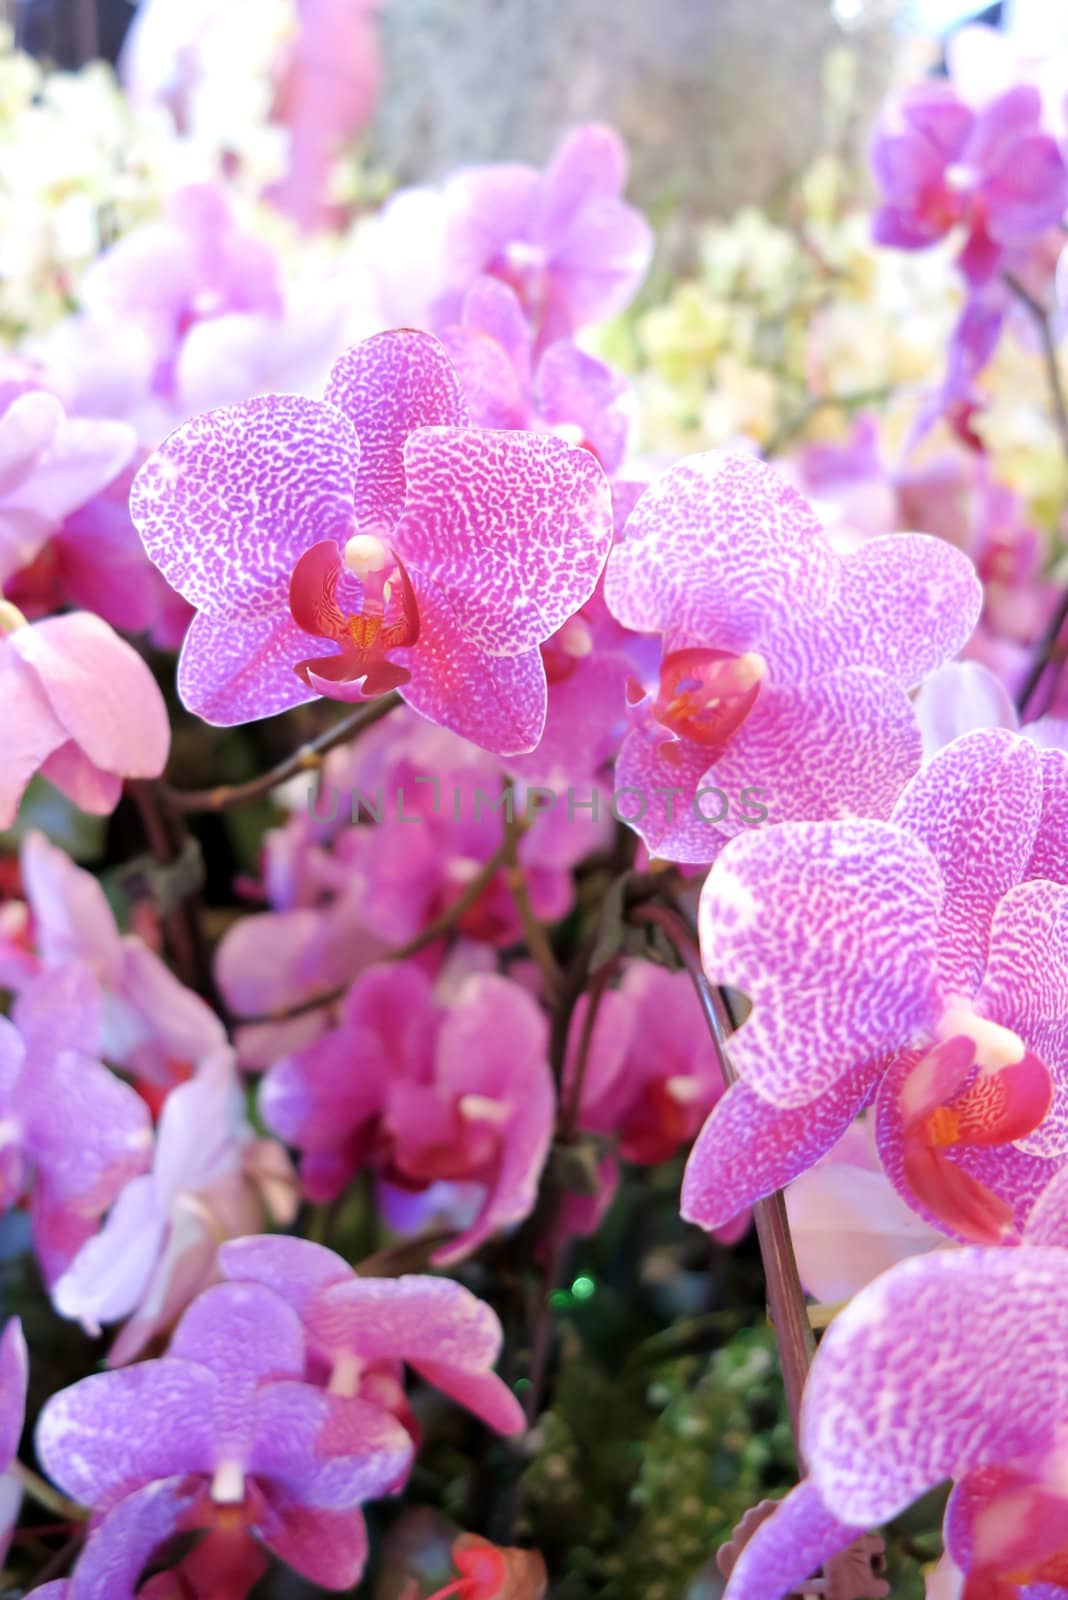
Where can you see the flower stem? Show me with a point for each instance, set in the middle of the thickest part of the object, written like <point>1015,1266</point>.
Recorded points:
<point>1044,326</point>
<point>307,759</point>
<point>43,1493</point>
<point>786,1298</point>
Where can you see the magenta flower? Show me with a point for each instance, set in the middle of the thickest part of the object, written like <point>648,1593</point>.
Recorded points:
<point>652,1075</point>
<point>71,1134</point>
<point>81,708</point>
<point>371,542</point>
<point>157,1248</point>
<point>951,1365</point>
<point>566,391</point>
<point>940,164</point>
<point>14,1377</point>
<point>151,1025</point>
<point>358,1327</point>
<point>51,464</point>
<point>926,958</point>
<point>782,684</point>
<point>223,1433</point>
<point>423,1093</point>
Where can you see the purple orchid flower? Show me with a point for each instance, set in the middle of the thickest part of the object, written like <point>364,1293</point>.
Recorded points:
<point>222,1433</point>
<point>423,1093</point>
<point>890,1411</point>
<point>80,707</point>
<point>71,1134</point>
<point>356,1326</point>
<point>14,1377</point>
<point>419,553</point>
<point>941,163</point>
<point>566,392</point>
<point>156,1250</point>
<point>785,667</point>
<point>926,959</point>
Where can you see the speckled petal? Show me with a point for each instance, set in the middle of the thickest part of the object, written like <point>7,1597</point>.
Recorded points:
<point>715,550</point>
<point>789,1547</point>
<point>388,386</point>
<point>907,602</point>
<point>976,807</point>
<point>1048,1221</point>
<point>748,1148</point>
<point>843,745</point>
<point>830,928</point>
<point>498,702</point>
<point>658,797</point>
<point>1049,858</point>
<point>244,668</point>
<point>947,1362</point>
<point>227,505</point>
<point>512,529</point>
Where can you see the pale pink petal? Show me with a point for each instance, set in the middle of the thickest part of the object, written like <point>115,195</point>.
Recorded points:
<point>589,164</point>
<point>240,669</point>
<point>100,691</point>
<point>31,729</point>
<point>512,529</point>
<point>72,920</point>
<point>14,1376</point>
<point>246,1336</point>
<point>229,502</point>
<point>959,698</point>
<point>831,930</point>
<point>83,783</point>
<point>108,1276</point>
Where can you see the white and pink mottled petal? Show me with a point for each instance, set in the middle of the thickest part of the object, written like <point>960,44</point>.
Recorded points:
<point>717,550</point>
<point>229,503</point>
<point>241,669</point>
<point>656,794</point>
<point>976,806</point>
<point>512,529</point>
<point>388,386</point>
<point>748,1148</point>
<point>839,746</point>
<point>831,930</point>
<point>498,702</point>
<point>946,1363</point>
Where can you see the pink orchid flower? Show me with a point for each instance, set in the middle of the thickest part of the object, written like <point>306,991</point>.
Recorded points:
<point>152,1025</point>
<point>421,1093</point>
<point>421,554</point>
<point>71,1133</point>
<point>890,1412</point>
<point>14,1378</point>
<point>358,1326</point>
<point>221,1433</point>
<point>50,464</point>
<point>156,1250</point>
<point>563,240</point>
<point>925,960</point>
<point>783,679</point>
<point>565,392</point>
<point>81,708</point>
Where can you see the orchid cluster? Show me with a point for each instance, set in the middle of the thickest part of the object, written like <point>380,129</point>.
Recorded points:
<point>502,781</point>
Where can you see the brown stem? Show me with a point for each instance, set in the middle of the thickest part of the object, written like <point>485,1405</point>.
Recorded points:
<point>181,926</point>
<point>308,758</point>
<point>534,933</point>
<point>43,1493</point>
<point>786,1298</point>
